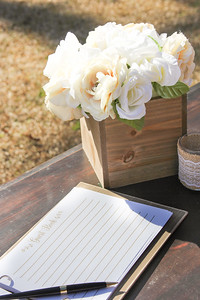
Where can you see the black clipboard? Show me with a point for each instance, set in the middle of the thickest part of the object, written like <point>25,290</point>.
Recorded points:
<point>135,272</point>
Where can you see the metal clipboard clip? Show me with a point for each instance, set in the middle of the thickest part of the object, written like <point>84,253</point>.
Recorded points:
<point>8,286</point>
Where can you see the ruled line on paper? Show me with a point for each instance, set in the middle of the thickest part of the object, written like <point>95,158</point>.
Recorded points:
<point>95,245</point>
<point>137,254</point>
<point>92,248</point>
<point>114,250</point>
<point>38,249</point>
<point>105,245</point>
<point>79,241</point>
<point>132,245</point>
<point>120,248</point>
<point>146,243</point>
<point>54,240</point>
<point>61,243</point>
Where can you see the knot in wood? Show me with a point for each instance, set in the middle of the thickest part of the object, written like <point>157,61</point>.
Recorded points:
<point>128,156</point>
<point>133,132</point>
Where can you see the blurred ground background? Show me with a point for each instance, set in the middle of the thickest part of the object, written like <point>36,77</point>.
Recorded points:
<point>29,31</point>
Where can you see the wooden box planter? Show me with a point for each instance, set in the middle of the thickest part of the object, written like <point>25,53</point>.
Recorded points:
<point>120,155</point>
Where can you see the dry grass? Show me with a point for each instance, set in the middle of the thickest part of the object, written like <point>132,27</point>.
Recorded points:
<point>29,32</point>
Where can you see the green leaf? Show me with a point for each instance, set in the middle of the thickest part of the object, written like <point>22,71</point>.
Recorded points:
<point>41,93</point>
<point>173,91</point>
<point>76,125</point>
<point>136,124</point>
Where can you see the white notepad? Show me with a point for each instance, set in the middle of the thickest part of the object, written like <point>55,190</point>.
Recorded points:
<point>88,236</point>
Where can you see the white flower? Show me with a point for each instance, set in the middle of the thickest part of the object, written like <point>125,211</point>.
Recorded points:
<point>162,69</point>
<point>144,28</point>
<point>64,112</point>
<point>59,101</point>
<point>148,30</point>
<point>135,45</point>
<point>116,63</point>
<point>99,83</point>
<point>136,91</point>
<point>61,63</point>
<point>103,36</point>
<point>139,26</point>
<point>136,51</point>
<point>178,45</point>
<point>60,67</point>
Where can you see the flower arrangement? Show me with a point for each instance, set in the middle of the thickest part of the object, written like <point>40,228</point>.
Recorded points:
<point>117,71</point>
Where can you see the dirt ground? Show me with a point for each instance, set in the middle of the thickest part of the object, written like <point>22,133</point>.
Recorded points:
<point>29,31</point>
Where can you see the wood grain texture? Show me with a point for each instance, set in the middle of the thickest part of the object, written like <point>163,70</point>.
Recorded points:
<point>120,155</point>
<point>94,143</point>
<point>177,276</point>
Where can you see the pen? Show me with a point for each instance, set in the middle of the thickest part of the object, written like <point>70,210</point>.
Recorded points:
<point>59,290</point>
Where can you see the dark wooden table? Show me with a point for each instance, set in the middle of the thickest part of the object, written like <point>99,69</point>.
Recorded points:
<point>26,199</point>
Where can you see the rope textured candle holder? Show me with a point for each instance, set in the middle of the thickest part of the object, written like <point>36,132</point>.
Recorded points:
<point>189,160</point>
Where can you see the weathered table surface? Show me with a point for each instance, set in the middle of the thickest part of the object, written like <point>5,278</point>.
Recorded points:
<point>26,199</point>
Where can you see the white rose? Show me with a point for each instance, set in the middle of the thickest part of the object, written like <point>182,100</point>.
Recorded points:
<point>144,28</point>
<point>162,69</point>
<point>59,101</point>
<point>60,67</point>
<point>148,30</point>
<point>125,40</point>
<point>136,91</point>
<point>99,83</point>
<point>64,112</point>
<point>178,45</point>
<point>139,26</point>
<point>61,63</point>
<point>136,46</point>
<point>103,36</point>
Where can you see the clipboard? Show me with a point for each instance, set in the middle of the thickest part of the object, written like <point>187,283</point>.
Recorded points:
<point>136,271</point>
<point>133,274</point>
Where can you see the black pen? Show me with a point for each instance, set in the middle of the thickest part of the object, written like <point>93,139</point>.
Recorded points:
<point>59,290</point>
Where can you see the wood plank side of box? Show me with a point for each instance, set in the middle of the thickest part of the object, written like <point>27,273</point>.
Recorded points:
<point>121,155</point>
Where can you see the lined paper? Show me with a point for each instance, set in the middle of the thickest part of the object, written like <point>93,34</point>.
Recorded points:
<point>88,236</point>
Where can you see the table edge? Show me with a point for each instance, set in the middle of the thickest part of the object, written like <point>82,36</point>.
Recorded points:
<point>42,166</point>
